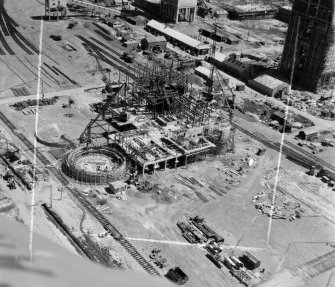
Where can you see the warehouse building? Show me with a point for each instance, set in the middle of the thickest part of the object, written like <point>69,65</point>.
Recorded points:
<point>179,39</point>
<point>154,43</point>
<point>269,86</point>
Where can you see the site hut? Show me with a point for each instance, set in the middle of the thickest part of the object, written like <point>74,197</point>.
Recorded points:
<point>179,39</point>
<point>114,23</point>
<point>220,14</point>
<point>117,187</point>
<point>154,43</point>
<point>269,86</point>
<point>131,45</point>
<point>311,134</point>
<point>283,121</point>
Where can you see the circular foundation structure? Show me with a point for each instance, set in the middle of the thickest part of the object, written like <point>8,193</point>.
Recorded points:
<point>51,135</point>
<point>94,165</point>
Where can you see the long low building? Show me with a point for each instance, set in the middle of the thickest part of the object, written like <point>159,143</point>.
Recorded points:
<point>269,85</point>
<point>183,41</point>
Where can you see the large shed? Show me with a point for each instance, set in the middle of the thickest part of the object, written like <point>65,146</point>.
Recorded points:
<point>237,68</point>
<point>269,85</point>
<point>154,43</point>
<point>250,261</point>
<point>177,38</point>
<point>310,134</point>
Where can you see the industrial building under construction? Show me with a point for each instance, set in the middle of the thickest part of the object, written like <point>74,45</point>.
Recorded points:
<point>157,121</point>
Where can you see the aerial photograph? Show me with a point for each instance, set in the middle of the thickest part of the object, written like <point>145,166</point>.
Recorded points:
<point>167,142</point>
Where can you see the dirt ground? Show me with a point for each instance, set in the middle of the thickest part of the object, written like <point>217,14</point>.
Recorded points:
<point>148,219</point>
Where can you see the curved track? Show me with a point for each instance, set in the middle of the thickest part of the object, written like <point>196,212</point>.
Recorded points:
<point>8,27</point>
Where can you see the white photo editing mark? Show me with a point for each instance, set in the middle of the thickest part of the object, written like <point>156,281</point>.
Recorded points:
<point>35,145</point>
<point>283,135</point>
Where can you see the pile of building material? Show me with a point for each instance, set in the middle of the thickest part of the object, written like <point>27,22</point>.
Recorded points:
<point>157,258</point>
<point>144,186</point>
<point>195,230</point>
<point>277,206</point>
<point>19,106</point>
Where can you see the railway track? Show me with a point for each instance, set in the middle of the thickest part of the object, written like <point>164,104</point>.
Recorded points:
<point>118,54</point>
<point>8,26</point>
<point>293,152</point>
<point>117,235</point>
<point>117,63</point>
<point>5,32</point>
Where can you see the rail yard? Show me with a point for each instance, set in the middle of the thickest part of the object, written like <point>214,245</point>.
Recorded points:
<point>171,141</point>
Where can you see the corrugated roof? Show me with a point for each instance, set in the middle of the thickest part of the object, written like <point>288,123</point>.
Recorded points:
<point>177,35</point>
<point>156,39</point>
<point>235,64</point>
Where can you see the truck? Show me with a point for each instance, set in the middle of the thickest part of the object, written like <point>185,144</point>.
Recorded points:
<point>177,275</point>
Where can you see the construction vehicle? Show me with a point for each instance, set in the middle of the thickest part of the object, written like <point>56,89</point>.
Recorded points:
<point>72,24</point>
<point>177,275</point>
<point>56,37</point>
<point>128,57</point>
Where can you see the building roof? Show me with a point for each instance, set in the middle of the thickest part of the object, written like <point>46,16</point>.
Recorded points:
<point>251,257</point>
<point>177,35</point>
<point>154,1</point>
<point>117,184</point>
<point>157,39</point>
<point>203,71</point>
<point>269,81</point>
<point>136,18</point>
<point>220,57</point>
<point>310,130</point>
<point>187,3</point>
<point>235,64</point>
<point>131,42</point>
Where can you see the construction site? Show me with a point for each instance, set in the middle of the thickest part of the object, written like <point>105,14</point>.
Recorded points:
<point>186,149</point>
